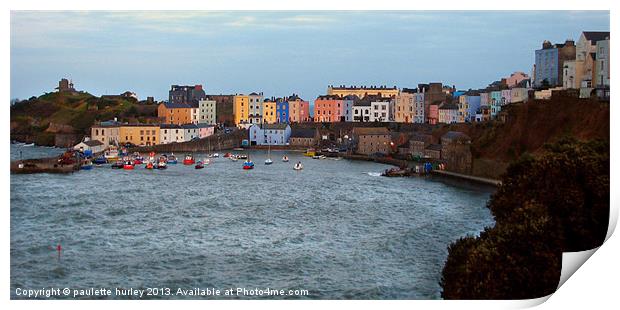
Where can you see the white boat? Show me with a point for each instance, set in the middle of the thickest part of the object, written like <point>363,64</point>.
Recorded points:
<point>285,159</point>
<point>206,161</point>
<point>298,166</point>
<point>268,161</point>
<point>29,144</point>
<point>216,155</point>
<point>234,158</point>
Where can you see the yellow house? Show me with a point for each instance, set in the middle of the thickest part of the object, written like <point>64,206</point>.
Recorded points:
<point>139,134</point>
<point>241,108</point>
<point>269,111</point>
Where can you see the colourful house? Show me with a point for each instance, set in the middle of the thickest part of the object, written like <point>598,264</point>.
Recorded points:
<point>495,98</point>
<point>269,134</point>
<point>328,108</point>
<point>269,111</point>
<point>241,109</point>
<point>175,113</point>
<point>139,134</point>
<point>448,113</point>
<point>282,111</point>
<point>255,114</point>
<point>433,114</point>
<point>205,130</point>
<point>469,103</point>
<point>299,109</point>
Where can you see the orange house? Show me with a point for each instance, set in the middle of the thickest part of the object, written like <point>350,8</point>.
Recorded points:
<point>328,108</point>
<point>175,113</point>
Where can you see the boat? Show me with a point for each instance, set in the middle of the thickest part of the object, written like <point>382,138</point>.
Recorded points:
<point>137,161</point>
<point>162,164</point>
<point>216,155</point>
<point>137,155</point>
<point>100,160</point>
<point>149,165</point>
<point>118,165</point>
<point>233,158</point>
<point>172,159</point>
<point>29,144</point>
<point>242,156</point>
<point>199,165</point>
<point>285,159</point>
<point>88,165</point>
<point>151,157</point>
<point>248,164</point>
<point>310,153</point>
<point>268,161</point>
<point>318,157</point>
<point>189,159</point>
<point>111,154</point>
<point>227,155</point>
<point>397,172</point>
<point>298,166</point>
<point>128,165</point>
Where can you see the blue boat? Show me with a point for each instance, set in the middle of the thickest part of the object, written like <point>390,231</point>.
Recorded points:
<point>172,159</point>
<point>88,165</point>
<point>100,160</point>
<point>248,164</point>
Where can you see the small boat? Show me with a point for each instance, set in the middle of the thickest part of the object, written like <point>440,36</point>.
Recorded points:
<point>248,164</point>
<point>189,159</point>
<point>310,152</point>
<point>128,165</point>
<point>298,166</point>
<point>100,160</point>
<point>242,156</point>
<point>172,159</point>
<point>117,165</point>
<point>285,159</point>
<point>162,163</point>
<point>137,161</point>
<point>199,165</point>
<point>268,161</point>
<point>233,158</point>
<point>151,157</point>
<point>318,157</point>
<point>149,165</point>
<point>216,155</point>
<point>206,161</point>
<point>88,165</point>
<point>29,144</point>
<point>137,155</point>
<point>111,155</point>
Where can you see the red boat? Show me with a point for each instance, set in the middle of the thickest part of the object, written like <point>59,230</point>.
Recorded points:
<point>128,165</point>
<point>149,165</point>
<point>137,162</point>
<point>227,155</point>
<point>189,160</point>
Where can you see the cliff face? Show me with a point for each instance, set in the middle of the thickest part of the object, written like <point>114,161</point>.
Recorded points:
<point>62,119</point>
<point>528,127</point>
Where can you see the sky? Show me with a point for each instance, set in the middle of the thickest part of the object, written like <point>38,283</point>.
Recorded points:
<point>278,52</point>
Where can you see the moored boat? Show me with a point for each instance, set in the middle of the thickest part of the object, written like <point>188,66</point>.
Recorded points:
<point>189,159</point>
<point>149,165</point>
<point>285,159</point>
<point>100,160</point>
<point>172,159</point>
<point>298,166</point>
<point>111,154</point>
<point>118,165</point>
<point>227,155</point>
<point>310,152</point>
<point>128,165</point>
<point>248,164</point>
<point>268,161</point>
<point>199,165</point>
<point>88,165</point>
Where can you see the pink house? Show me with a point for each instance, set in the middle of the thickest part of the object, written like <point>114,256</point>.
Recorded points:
<point>299,110</point>
<point>328,108</point>
<point>205,130</point>
<point>516,78</point>
<point>433,114</point>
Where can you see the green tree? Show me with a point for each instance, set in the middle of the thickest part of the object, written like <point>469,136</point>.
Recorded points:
<point>555,203</point>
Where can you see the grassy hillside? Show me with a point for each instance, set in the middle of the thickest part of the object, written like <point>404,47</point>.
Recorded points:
<point>39,118</point>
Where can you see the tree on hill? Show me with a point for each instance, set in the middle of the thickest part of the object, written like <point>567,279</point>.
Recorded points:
<point>548,205</point>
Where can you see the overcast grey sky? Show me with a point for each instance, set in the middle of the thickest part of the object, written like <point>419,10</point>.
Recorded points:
<point>279,52</point>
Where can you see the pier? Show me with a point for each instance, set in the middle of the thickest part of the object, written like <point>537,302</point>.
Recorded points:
<point>467,177</point>
<point>42,165</point>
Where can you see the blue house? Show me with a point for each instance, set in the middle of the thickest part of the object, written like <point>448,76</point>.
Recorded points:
<point>270,134</point>
<point>282,115</point>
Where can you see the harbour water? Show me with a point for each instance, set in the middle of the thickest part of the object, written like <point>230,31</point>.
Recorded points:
<point>336,228</point>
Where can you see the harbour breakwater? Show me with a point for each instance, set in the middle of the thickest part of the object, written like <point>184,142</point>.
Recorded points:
<point>214,143</point>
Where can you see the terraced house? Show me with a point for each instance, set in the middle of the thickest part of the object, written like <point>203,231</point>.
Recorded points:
<point>175,113</point>
<point>139,134</point>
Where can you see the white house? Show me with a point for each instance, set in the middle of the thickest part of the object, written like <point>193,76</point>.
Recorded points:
<point>190,131</point>
<point>171,133</point>
<point>206,112</point>
<point>94,146</point>
<point>382,110</point>
<point>270,134</point>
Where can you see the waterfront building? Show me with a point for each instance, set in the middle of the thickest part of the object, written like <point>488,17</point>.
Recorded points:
<point>327,108</point>
<point>107,132</point>
<point>515,78</point>
<point>171,133</point>
<point>381,109</point>
<point>506,97</point>
<point>495,98</point>
<point>140,134</point>
<point>95,146</point>
<point>269,111</point>
<point>448,113</point>
<point>299,109</point>
<point>269,134</point>
<point>207,111</point>
<point>418,143</point>
<point>469,103</point>
<point>550,62</point>
<point>195,113</point>
<point>190,131</point>
<point>304,137</point>
<point>362,91</point>
<point>405,106</point>
<point>456,152</point>
<point>175,113</point>
<point>186,94</point>
<point>223,109</point>
<point>205,130</point>
<point>371,140</point>
<point>433,151</point>
<point>282,111</point>
<point>241,109</point>
<point>255,114</point>
<point>361,111</point>
<point>433,114</point>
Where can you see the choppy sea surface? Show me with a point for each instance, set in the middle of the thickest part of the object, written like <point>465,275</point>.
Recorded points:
<point>336,229</point>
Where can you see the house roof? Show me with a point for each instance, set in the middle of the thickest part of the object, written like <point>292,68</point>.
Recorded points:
<point>366,131</point>
<point>279,126</point>
<point>303,133</point>
<point>448,106</point>
<point>170,105</point>
<point>455,135</point>
<point>92,143</point>
<point>189,126</point>
<point>329,97</point>
<point>596,36</point>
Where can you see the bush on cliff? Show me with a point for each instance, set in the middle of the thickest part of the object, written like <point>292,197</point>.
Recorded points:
<point>552,204</point>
